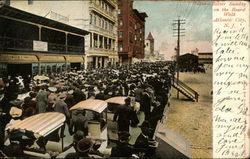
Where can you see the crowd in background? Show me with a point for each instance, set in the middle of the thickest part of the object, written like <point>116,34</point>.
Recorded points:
<point>147,83</point>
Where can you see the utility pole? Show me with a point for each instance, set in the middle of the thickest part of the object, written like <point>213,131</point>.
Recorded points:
<point>180,32</point>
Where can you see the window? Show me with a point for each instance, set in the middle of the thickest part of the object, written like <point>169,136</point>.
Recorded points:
<point>135,27</point>
<point>90,35</point>
<point>102,23</point>
<point>106,8</point>
<point>130,37</point>
<point>30,2</point>
<point>106,25</point>
<point>94,20</point>
<point>120,34</point>
<point>111,27</point>
<point>118,11</point>
<point>90,21</point>
<point>135,37</point>
<point>120,47</point>
<point>140,31</point>
<point>121,23</point>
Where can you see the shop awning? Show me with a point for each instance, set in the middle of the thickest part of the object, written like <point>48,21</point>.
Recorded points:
<point>75,58</point>
<point>51,58</point>
<point>18,58</point>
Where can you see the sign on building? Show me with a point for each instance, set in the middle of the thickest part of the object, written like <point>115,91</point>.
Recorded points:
<point>40,46</point>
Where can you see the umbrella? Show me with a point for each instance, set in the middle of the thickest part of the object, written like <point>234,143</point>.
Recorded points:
<point>72,73</point>
<point>166,68</point>
<point>42,78</point>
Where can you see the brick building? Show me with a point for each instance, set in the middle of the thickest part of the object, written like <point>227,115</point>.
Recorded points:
<point>131,32</point>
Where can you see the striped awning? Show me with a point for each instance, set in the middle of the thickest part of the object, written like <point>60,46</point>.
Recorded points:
<point>41,124</point>
<point>75,58</point>
<point>117,100</point>
<point>91,104</point>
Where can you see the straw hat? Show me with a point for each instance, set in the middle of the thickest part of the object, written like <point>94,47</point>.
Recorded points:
<point>15,112</point>
<point>52,89</point>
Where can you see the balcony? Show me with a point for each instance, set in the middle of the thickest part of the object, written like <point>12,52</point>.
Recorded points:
<point>102,11</point>
<point>102,31</point>
<point>102,51</point>
<point>13,44</point>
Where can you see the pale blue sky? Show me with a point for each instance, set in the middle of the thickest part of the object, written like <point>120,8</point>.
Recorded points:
<point>160,18</point>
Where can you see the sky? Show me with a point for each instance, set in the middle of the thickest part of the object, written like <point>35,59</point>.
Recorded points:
<point>161,16</point>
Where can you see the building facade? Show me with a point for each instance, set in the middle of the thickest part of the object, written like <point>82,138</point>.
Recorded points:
<point>31,44</point>
<point>96,16</point>
<point>205,57</point>
<point>149,47</point>
<point>131,32</point>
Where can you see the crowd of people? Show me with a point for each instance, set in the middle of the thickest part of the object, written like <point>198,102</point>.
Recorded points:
<point>147,83</point>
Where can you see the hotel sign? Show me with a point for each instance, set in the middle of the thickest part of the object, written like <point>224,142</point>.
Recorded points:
<point>40,46</point>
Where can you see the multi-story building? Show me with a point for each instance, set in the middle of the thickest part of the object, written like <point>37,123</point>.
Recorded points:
<point>131,30</point>
<point>96,16</point>
<point>31,44</point>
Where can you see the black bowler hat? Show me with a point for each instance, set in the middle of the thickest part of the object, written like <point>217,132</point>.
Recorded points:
<point>127,100</point>
<point>145,124</point>
<point>84,145</point>
<point>123,135</point>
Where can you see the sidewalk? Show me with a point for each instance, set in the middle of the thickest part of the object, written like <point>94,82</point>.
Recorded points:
<point>193,120</point>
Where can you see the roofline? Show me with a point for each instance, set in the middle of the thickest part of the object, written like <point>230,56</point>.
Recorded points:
<point>142,15</point>
<point>52,23</point>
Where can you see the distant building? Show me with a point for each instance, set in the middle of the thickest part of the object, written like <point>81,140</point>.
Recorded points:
<point>205,57</point>
<point>96,16</point>
<point>31,44</point>
<point>131,30</point>
<point>149,47</point>
<point>195,51</point>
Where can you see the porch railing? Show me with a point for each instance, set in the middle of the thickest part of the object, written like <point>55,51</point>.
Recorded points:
<point>13,44</point>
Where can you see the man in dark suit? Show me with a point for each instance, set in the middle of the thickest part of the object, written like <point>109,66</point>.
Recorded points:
<point>123,149</point>
<point>143,142</point>
<point>146,104</point>
<point>124,114</point>
<point>79,122</point>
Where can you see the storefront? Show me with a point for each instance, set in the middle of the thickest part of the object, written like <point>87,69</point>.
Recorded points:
<point>31,44</point>
<point>17,64</point>
<point>76,63</point>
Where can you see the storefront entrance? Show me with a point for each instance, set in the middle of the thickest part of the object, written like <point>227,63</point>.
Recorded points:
<point>75,66</point>
<point>19,69</point>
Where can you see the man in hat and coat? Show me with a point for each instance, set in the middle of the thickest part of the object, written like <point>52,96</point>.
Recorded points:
<point>61,107</point>
<point>146,104</point>
<point>142,143</point>
<point>79,121</point>
<point>78,95</point>
<point>123,149</point>
<point>82,149</point>
<point>124,114</point>
<point>42,100</point>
